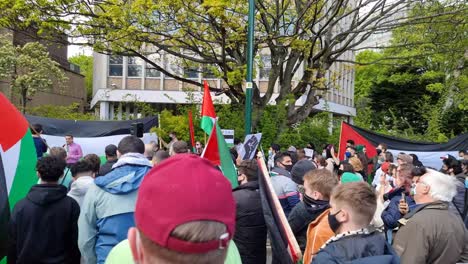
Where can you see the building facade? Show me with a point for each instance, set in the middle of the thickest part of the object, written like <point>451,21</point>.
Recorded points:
<point>72,91</point>
<point>119,82</point>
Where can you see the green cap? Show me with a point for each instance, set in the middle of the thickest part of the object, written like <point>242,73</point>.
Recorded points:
<point>359,148</point>
<point>350,177</point>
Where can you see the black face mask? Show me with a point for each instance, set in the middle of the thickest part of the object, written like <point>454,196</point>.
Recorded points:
<point>333,222</point>
<point>379,151</point>
<point>287,167</point>
<point>311,202</point>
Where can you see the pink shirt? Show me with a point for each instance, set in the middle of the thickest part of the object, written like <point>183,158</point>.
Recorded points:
<point>74,153</point>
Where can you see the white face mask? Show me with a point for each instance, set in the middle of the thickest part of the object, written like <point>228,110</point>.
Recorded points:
<point>413,189</point>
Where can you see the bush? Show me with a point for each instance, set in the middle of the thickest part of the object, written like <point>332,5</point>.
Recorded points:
<point>70,112</point>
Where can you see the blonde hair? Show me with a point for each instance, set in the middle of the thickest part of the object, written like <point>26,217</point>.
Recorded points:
<point>356,163</point>
<point>321,180</point>
<point>359,197</point>
<point>197,231</point>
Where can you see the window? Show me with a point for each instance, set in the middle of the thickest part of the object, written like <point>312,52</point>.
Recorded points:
<point>115,65</point>
<point>265,66</point>
<point>134,67</point>
<point>209,73</point>
<point>191,72</point>
<point>150,70</point>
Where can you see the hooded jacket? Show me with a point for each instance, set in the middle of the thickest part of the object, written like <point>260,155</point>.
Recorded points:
<point>431,234</point>
<point>108,207</point>
<point>79,187</point>
<point>300,218</point>
<point>285,189</point>
<point>458,205</point>
<point>362,248</point>
<point>251,230</point>
<point>43,227</point>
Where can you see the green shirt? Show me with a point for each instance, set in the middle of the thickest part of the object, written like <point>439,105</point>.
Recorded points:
<point>121,254</point>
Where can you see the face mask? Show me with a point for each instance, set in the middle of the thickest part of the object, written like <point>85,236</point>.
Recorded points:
<point>379,151</point>
<point>333,222</point>
<point>288,167</point>
<point>324,154</point>
<point>348,154</point>
<point>466,183</point>
<point>270,153</point>
<point>413,189</point>
<point>311,202</point>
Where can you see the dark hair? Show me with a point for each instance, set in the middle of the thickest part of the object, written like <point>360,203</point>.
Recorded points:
<point>328,148</point>
<point>312,145</point>
<point>131,144</point>
<point>250,169</point>
<point>173,133</point>
<point>351,147</point>
<point>347,167</point>
<point>36,128</point>
<point>236,141</point>
<point>50,168</point>
<point>453,164</point>
<point>350,141</point>
<point>94,161</point>
<point>80,167</point>
<point>161,155</point>
<point>69,135</point>
<point>418,171</point>
<point>111,150</point>
<point>275,147</point>
<point>234,154</point>
<point>461,151</point>
<point>384,146</point>
<point>180,147</point>
<point>416,161</point>
<point>388,156</point>
<point>280,156</point>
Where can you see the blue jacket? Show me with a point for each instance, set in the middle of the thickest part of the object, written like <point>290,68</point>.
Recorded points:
<point>286,190</point>
<point>391,214</point>
<point>108,207</point>
<point>363,249</point>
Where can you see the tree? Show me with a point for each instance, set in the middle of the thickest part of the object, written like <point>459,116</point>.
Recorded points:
<point>28,69</point>
<point>304,38</point>
<point>86,68</point>
<point>419,89</point>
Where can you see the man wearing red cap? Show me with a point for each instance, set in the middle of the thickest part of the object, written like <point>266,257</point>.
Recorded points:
<point>185,213</point>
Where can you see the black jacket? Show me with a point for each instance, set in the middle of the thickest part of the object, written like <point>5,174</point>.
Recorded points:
<point>251,231</point>
<point>43,227</point>
<point>370,248</point>
<point>300,218</point>
<point>106,167</point>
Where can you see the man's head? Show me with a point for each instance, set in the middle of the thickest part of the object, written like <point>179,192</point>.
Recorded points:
<point>160,156</point>
<point>452,166</point>
<point>247,171</point>
<point>461,154</point>
<point>403,177</point>
<point>111,152</point>
<point>318,184</point>
<point>350,151</point>
<point>403,158</point>
<point>130,144</point>
<point>69,139</point>
<point>180,147</point>
<point>383,147</point>
<point>50,169</point>
<point>349,143</point>
<point>352,207</point>
<point>81,168</point>
<point>197,230</point>
<point>283,160</point>
<point>345,167</point>
<point>388,156</point>
<point>36,129</point>
<point>301,154</point>
<point>434,186</point>
<point>275,148</point>
<point>58,152</point>
<point>149,151</point>
<point>94,161</point>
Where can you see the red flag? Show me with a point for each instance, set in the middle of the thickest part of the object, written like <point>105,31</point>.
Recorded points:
<point>347,132</point>
<point>207,106</point>
<point>192,131</point>
<point>211,151</point>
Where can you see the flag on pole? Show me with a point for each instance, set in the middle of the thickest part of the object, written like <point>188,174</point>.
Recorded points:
<point>192,131</point>
<point>211,152</point>
<point>209,125</point>
<point>17,162</point>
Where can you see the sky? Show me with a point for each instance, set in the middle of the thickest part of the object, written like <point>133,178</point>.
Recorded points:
<point>78,50</point>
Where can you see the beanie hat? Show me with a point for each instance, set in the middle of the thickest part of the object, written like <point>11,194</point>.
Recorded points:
<point>207,196</point>
<point>348,177</point>
<point>300,169</point>
<point>360,148</point>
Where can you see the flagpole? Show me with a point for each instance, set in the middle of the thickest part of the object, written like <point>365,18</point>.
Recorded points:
<point>249,84</point>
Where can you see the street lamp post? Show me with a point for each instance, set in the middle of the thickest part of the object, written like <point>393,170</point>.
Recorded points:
<point>249,84</point>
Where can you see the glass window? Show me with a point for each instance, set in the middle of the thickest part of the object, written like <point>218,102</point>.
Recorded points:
<point>208,73</point>
<point>115,65</point>
<point>152,72</point>
<point>134,67</point>
<point>265,66</point>
<point>191,72</point>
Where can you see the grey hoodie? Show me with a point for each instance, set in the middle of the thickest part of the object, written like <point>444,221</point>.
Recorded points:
<point>79,187</point>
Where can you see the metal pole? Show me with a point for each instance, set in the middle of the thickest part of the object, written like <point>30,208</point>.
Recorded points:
<point>249,84</point>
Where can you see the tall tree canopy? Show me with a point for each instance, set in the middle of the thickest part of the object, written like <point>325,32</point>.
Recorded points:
<point>303,36</point>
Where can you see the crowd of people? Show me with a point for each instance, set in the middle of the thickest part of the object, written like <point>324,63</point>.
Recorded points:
<point>150,205</point>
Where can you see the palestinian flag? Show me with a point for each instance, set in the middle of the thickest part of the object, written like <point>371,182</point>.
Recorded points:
<point>209,124</point>
<point>17,163</point>
<point>92,136</point>
<point>429,153</point>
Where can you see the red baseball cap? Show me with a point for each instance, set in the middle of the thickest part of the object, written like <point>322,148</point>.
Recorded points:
<point>182,189</point>
<point>385,166</point>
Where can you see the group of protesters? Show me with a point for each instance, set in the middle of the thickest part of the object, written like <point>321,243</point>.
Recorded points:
<point>160,203</point>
